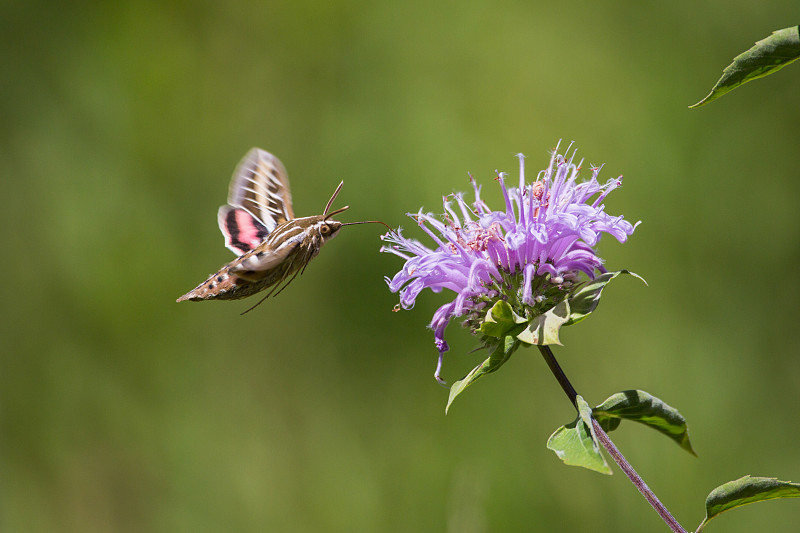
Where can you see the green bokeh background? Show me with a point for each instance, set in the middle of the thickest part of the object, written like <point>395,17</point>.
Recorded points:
<point>120,124</point>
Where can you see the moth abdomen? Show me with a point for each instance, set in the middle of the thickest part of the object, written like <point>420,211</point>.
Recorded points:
<point>215,286</point>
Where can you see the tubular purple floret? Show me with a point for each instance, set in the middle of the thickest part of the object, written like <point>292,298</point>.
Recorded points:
<point>467,212</point>
<point>501,177</point>
<point>527,293</point>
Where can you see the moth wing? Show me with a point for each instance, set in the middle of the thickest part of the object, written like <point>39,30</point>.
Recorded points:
<point>260,185</point>
<point>242,230</point>
<point>268,256</point>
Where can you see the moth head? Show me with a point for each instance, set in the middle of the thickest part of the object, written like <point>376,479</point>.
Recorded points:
<point>329,228</point>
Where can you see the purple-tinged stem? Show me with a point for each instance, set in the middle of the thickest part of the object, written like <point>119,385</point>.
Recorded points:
<point>609,446</point>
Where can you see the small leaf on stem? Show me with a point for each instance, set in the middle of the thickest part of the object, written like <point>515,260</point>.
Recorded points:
<point>746,490</point>
<point>767,56</point>
<point>500,319</point>
<point>500,354</point>
<point>576,443</point>
<point>587,296</point>
<point>543,329</point>
<point>644,408</point>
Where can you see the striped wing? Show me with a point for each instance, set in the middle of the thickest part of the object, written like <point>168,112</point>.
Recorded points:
<point>258,200</point>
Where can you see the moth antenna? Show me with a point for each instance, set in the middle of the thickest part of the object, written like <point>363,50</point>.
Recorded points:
<point>370,222</point>
<point>335,194</point>
<point>329,215</point>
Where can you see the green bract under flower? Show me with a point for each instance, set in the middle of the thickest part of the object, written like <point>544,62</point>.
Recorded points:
<point>532,254</point>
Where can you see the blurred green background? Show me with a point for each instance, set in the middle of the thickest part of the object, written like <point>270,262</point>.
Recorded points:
<point>121,124</point>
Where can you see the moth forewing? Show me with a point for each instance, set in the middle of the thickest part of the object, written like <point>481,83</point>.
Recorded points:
<point>260,184</point>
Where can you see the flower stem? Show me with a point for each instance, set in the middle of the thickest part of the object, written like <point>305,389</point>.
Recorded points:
<point>612,450</point>
<point>561,377</point>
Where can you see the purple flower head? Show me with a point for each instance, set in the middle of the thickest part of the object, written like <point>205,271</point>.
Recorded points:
<point>530,254</point>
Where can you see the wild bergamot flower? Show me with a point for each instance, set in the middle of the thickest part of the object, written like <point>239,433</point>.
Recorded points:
<point>532,255</point>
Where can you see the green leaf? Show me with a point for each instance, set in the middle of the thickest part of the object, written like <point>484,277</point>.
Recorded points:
<point>587,296</point>
<point>746,490</point>
<point>576,443</point>
<point>767,56</point>
<point>644,408</point>
<point>500,319</point>
<point>543,329</point>
<point>500,354</point>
